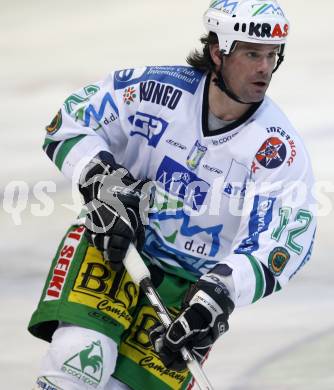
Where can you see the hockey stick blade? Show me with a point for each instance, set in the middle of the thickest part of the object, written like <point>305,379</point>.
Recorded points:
<point>140,274</point>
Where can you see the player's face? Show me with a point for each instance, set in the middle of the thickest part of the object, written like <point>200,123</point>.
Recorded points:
<point>247,71</point>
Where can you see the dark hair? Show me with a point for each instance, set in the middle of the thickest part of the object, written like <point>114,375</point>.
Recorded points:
<point>203,61</point>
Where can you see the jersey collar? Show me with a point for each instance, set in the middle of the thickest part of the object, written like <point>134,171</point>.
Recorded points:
<point>233,125</point>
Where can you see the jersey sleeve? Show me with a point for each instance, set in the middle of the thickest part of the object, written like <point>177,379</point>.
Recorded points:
<point>277,230</point>
<point>87,123</point>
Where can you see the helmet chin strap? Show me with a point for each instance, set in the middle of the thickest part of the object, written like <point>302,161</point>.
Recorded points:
<point>220,83</point>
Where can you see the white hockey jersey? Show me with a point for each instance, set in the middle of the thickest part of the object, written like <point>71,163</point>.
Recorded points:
<point>240,195</point>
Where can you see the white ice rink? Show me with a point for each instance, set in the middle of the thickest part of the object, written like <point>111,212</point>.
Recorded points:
<point>50,48</point>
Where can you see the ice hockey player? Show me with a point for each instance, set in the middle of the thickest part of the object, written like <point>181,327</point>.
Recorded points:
<point>227,221</point>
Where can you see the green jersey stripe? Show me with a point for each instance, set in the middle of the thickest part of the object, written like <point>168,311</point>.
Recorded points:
<point>277,286</point>
<point>259,278</point>
<point>65,148</point>
<point>47,142</point>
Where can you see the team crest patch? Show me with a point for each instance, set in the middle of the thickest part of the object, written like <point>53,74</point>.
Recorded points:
<point>195,156</point>
<point>56,123</point>
<point>272,153</point>
<point>86,365</point>
<point>278,259</point>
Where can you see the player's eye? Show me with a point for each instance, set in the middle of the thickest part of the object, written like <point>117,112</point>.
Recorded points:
<point>272,54</point>
<point>252,54</point>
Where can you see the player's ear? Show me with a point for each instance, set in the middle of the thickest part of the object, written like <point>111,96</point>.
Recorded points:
<point>215,55</point>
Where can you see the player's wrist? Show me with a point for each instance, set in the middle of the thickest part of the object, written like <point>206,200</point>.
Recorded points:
<point>222,274</point>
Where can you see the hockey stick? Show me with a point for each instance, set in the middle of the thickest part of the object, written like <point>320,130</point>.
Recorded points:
<point>140,274</point>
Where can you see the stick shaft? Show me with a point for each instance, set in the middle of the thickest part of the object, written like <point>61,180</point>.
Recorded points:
<point>140,274</point>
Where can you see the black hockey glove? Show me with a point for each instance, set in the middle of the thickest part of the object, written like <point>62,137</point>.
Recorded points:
<point>203,319</point>
<point>116,208</point>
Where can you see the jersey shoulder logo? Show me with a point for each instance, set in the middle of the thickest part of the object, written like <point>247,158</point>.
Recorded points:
<point>272,153</point>
<point>278,259</point>
<point>55,125</point>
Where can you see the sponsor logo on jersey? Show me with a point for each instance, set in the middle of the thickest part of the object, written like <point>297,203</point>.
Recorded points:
<point>235,189</point>
<point>272,153</point>
<point>80,97</point>
<point>112,117</point>
<point>181,182</point>
<point>293,152</point>
<point>236,179</point>
<point>56,123</point>
<point>260,219</point>
<point>129,95</point>
<point>204,240</point>
<point>176,144</point>
<point>263,30</point>
<point>291,142</point>
<point>123,78</point>
<point>159,93</point>
<point>223,140</point>
<point>199,249</point>
<point>62,264</point>
<point>213,169</point>
<point>182,77</point>
<point>87,365</point>
<point>278,259</point>
<point>195,156</point>
<point>278,130</point>
<point>90,112</point>
<point>148,126</point>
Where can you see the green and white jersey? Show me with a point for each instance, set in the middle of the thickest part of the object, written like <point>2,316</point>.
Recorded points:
<point>240,195</point>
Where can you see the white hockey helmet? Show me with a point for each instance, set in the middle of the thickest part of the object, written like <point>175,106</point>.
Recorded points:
<point>256,21</point>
